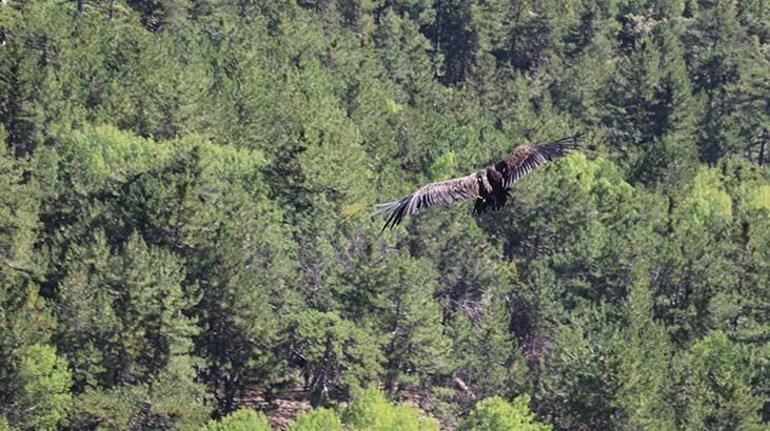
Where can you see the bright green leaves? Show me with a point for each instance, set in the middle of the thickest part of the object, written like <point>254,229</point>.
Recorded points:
<point>759,199</point>
<point>42,387</point>
<point>370,411</point>
<point>92,157</point>
<point>495,414</point>
<point>240,420</point>
<point>445,166</point>
<point>708,202</point>
<point>318,419</point>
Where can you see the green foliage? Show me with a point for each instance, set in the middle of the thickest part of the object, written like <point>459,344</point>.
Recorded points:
<point>185,191</point>
<point>579,377</point>
<point>370,411</point>
<point>697,231</point>
<point>240,420</point>
<point>644,363</point>
<point>106,409</point>
<point>488,358</point>
<point>337,357</point>
<point>495,414</point>
<point>138,322</point>
<point>170,400</point>
<point>707,202</point>
<point>719,378</point>
<point>43,389</point>
<point>319,419</point>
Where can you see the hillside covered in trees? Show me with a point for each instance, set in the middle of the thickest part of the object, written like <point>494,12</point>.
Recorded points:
<point>186,189</point>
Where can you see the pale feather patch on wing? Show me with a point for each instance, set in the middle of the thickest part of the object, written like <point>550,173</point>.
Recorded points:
<point>522,161</point>
<point>444,192</point>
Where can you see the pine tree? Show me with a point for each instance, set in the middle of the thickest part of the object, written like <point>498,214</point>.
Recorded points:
<point>717,46</point>
<point>452,36</point>
<point>27,363</point>
<point>581,91</point>
<point>644,356</point>
<point>717,386</point>
<point>415,348</point>
<point>488,359</point>
<point>750,107</point>
<point>123,320</point>
<point>578,380</point>
<point>696,261</point>
<point>632,104</point>
<point>754,14</point>
<point>403,51</point>
<point>671,157</point>
<point>333,355</point>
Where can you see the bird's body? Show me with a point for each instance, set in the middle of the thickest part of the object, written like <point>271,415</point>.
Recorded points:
<point>489,186</point>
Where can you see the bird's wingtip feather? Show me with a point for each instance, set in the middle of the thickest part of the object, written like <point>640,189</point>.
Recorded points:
<point>391,211</point>
<point>385,207</point>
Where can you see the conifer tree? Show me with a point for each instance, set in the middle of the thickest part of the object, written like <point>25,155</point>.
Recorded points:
<point>123,318</point>
<point>488,359</point>
<point>632,103</point>
<point>717,382</point>
<point>333,356</point>
<point>645,384</point>
<point>578,381</point>
<point>415,348</point>
<point>718,44</point>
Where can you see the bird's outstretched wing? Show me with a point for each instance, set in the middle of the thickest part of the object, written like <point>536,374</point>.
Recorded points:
<point>442,192</point>
<point>526,158</point>
<point>519,163</point>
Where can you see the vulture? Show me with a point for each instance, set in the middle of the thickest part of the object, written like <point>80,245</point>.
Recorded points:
<point>489,186</point>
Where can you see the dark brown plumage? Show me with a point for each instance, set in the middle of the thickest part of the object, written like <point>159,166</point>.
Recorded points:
<point>489,186</point>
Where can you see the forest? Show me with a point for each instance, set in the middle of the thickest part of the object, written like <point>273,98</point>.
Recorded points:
<point>187,239</point>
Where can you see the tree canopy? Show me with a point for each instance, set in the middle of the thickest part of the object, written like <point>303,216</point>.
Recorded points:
<point>186,239</point>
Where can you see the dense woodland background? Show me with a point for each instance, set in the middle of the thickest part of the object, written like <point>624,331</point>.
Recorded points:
<point>186,190</point>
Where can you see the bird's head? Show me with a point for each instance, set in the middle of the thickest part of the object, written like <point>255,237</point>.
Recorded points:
<point>502,167</point>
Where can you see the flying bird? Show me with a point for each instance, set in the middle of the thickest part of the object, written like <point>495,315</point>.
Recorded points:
<point>489,185</point>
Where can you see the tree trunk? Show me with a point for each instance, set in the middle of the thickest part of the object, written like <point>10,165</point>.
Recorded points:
<point>318,388</point>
